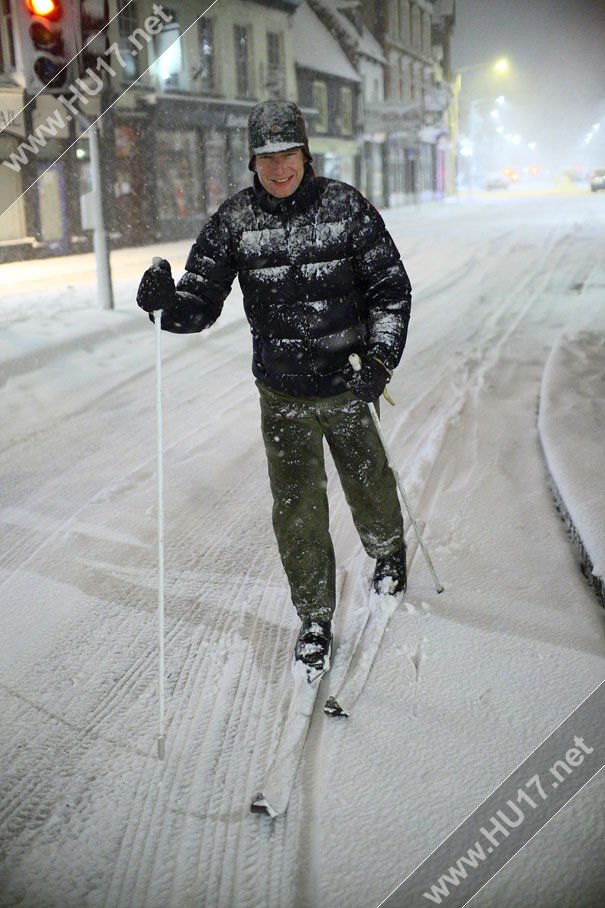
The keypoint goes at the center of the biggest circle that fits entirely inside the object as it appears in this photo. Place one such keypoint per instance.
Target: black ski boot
(314, 647)
(390, 574)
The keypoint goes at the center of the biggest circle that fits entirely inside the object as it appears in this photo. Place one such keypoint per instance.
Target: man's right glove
(157, 290)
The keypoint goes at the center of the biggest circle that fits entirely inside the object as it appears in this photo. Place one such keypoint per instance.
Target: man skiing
(321, 279)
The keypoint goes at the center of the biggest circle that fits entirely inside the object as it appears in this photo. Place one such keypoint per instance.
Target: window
(320, 101)
(276, 71)
(169, 53)
(346, 100)
(241, 39)
(178, 186)
(128, 22)
(407, 81)
(406, 28)
(394, 18)
(416, 36)
(417, 82)
(204, 75)
(7, 45)
(394, 79)
(426, 35)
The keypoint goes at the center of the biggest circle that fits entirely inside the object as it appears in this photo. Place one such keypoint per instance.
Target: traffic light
(48, 42)
(94, 17)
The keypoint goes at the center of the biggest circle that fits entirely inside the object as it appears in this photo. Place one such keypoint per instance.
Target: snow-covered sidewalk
(572, 431)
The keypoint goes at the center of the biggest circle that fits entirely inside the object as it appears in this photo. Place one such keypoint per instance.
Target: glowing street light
(499, 67)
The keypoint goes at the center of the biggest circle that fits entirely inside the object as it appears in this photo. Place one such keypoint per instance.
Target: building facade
(373, 80)
(412, 115)
(180, 137)
(329, 87)
(343, 20)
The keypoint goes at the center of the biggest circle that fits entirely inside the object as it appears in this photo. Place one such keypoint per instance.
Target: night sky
(556, 85)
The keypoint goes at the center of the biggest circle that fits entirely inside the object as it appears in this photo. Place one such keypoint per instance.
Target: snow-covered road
(466, 684)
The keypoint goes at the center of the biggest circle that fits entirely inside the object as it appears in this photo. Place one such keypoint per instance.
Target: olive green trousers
(293, 432)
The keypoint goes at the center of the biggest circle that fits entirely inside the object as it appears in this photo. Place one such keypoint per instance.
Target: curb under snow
(571, 430)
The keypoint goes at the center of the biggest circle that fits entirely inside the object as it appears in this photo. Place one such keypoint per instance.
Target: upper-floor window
(276, 69)
(320, 101)
(405, 22)
(241, 40)
(7, 44)
(205, 73)
(346, 101)
(394, 18)
(416, 35)
(426, 35)
(394, 83)
(128, 22)
(169, 53)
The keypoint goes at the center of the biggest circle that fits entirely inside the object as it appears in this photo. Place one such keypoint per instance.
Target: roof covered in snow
(317, 49)
(365, 43)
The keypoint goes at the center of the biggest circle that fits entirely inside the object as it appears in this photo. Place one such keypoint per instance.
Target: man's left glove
(157, 290)
(370, 381)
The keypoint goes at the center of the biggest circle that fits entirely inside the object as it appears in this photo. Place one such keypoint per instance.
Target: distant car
(497, 181)
(597, 180)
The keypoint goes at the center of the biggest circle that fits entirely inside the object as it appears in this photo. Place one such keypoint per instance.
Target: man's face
(281, 173)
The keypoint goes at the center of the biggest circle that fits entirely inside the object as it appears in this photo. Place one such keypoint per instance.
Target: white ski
(380, 609)
(273, 795)
(369, 637)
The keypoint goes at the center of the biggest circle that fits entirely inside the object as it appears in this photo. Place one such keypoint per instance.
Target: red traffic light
(46, 9)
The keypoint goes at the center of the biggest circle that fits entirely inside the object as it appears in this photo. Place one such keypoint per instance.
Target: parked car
(597, 180)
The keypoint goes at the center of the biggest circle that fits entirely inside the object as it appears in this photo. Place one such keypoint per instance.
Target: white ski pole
(356, 364)
(160, 436)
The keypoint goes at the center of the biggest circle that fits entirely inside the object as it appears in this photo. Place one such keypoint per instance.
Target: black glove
(157, 290)
(370, 381)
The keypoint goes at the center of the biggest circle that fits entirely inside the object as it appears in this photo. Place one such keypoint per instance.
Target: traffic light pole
(99, 236)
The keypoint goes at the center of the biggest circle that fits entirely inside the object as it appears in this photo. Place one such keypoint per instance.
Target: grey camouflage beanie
(276, 126)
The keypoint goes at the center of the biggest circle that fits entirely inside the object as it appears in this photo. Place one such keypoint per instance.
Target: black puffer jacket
(320, 276)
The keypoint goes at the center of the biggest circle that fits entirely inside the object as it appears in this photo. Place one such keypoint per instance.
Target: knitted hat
(276, 126)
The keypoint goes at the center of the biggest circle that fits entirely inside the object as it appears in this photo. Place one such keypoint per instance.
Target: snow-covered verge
(571, 424)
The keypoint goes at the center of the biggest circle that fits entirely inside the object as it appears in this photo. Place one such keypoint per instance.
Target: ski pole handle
(355, 362)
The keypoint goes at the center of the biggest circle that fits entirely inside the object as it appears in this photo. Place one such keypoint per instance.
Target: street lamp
(500, 67)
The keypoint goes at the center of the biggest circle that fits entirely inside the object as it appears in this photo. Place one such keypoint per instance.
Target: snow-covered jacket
(320, 275)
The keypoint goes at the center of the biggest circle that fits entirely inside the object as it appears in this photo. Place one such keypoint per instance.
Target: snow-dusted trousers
(293, 431)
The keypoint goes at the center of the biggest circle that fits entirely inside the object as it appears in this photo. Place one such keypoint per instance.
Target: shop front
(200, 159)
(393, 127)
(338, 159)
